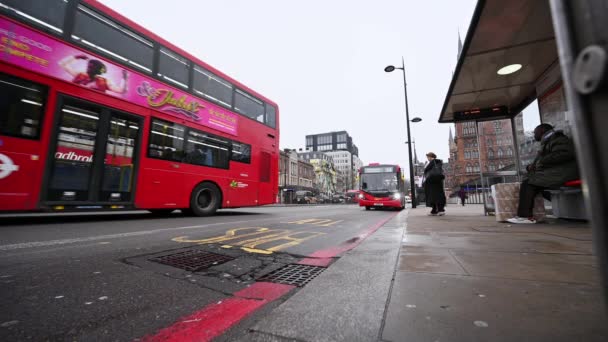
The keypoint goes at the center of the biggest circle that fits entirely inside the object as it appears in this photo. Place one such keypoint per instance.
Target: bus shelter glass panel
(496, 161)
(528, 147)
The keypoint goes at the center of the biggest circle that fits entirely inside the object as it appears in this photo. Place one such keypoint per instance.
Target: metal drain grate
(293, 274)
(192, 260)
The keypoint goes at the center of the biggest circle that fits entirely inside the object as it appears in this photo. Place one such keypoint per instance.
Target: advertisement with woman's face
(37, 52)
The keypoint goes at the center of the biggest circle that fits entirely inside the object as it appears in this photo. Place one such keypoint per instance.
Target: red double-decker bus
(382, 186)
(96, 112)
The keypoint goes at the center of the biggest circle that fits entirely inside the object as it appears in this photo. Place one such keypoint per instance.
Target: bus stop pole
(409, 139)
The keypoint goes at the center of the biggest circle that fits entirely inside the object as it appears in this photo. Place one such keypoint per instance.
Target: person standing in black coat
(433, 185)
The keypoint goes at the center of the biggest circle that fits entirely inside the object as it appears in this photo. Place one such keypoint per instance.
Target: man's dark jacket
(555, 162)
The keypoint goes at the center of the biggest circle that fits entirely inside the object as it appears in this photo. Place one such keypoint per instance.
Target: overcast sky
(323, 61)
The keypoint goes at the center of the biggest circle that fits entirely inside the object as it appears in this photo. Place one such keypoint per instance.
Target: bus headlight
(397, 196)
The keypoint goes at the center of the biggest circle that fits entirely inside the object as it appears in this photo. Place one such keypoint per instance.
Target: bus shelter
(508, 61)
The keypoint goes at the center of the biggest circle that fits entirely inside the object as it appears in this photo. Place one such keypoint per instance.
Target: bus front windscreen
(379, 182)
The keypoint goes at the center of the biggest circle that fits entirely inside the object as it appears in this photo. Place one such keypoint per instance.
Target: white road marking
(34, 244)
(104, 237)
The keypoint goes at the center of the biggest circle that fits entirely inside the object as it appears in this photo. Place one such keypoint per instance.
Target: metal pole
(577, 25)
(409, 139)
(516, 147)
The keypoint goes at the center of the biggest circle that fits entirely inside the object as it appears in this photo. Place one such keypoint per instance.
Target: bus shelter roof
(501, 33)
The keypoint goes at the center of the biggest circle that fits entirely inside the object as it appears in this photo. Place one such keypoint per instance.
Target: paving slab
(531, 266)
(435, 307)
(523, 242)
(429, 260)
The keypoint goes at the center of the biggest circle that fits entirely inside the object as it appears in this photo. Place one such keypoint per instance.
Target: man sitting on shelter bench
(554, 165)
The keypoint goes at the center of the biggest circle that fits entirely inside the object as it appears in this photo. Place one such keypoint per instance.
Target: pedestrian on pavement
(433, 185)
(554, 165)
(463, 195)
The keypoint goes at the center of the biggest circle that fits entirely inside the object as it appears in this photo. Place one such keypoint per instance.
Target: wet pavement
(466, 277)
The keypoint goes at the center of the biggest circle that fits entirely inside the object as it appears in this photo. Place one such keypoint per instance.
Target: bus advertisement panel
(33, 51)
(381, 186)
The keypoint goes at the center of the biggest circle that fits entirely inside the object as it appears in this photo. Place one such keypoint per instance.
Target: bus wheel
(205, 199)
(161, 212)
(367, 208)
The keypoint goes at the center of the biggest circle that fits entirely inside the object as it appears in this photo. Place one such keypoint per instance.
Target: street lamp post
(391, 68)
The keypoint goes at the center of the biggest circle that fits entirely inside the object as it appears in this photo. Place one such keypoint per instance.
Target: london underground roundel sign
(6, 166)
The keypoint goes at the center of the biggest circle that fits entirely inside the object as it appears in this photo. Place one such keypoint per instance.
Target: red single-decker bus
(382, 186)
(97, 113)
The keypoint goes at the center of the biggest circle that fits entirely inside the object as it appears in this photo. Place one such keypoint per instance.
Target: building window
(308, 141)
(509, 152)
(490, 153)
(500, 153)
(497, 126)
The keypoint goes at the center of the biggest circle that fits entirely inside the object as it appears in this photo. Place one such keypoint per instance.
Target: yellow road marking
(317, 222)
(331, 224)
(255, 236)
(258, 251)
(231, 234)
(311, 221)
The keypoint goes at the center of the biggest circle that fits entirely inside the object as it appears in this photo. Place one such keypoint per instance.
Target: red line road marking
(214, 319)
(345, 246)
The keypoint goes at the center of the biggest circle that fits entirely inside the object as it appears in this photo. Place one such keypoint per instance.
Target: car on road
(305, 197)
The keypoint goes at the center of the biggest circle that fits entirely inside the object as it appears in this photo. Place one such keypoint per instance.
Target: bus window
(48, 13)
(104, 35)
(21, 107)
(212, 87)
(271, 116)
(173, 68)
(73, 162)
(241, 152)
(206, 150)
(249, 106)
(166, 141)
(118, 172)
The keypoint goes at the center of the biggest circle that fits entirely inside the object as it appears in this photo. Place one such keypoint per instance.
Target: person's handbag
(436, 173)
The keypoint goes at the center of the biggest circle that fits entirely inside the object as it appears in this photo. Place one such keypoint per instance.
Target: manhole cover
(192, 260)
(293, 274)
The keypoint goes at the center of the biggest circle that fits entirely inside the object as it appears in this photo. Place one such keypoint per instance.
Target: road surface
(105, 277)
